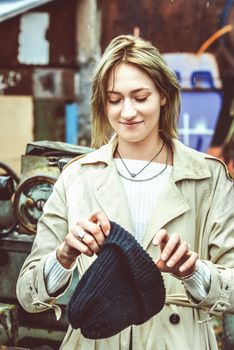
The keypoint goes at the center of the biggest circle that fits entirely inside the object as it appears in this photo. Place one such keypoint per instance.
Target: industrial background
(48, 51)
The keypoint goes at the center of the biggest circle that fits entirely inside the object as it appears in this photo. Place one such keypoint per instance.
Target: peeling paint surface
(33, 45)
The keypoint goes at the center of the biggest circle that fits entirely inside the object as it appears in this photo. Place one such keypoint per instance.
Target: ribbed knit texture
(198, 284)
(56, 276)
(59, 276)
(142, 196)
(122, 287)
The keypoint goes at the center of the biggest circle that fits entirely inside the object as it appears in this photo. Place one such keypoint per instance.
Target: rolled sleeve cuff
(56, 276)
(221, 284)
(41, 300)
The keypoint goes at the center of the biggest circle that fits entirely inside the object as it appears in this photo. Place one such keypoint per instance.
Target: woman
(175, 201)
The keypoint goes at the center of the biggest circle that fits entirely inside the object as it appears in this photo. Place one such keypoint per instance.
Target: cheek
(113, 123)
(112, 110)
(152, 111)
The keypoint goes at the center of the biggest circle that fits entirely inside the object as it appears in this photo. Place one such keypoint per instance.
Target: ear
(163, 100)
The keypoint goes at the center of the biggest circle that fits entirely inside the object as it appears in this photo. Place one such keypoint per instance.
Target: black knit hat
(122, 287)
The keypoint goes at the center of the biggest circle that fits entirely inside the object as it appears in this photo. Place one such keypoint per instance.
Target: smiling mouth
(131, 123)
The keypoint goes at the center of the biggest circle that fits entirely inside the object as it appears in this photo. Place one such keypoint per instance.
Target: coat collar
(102, 155)
(187, 163)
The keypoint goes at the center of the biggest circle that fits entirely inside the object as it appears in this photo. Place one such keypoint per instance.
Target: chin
(132, 140)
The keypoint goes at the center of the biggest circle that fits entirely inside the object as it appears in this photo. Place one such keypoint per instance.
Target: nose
(128, 110)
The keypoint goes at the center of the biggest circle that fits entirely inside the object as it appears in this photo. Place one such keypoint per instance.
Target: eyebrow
(133, 91)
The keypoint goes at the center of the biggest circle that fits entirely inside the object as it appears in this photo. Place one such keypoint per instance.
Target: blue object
(198, 117)
(71, 123)
(178, 75)
(202, 79)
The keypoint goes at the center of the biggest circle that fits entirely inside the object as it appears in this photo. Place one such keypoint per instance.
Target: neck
(140, 151)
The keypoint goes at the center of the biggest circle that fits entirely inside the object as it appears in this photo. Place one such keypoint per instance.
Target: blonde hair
(127, 48)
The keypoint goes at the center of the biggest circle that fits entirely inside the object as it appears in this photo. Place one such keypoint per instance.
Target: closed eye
(141, 99)
(114, 101)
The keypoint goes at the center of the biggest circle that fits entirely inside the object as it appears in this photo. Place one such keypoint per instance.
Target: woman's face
(133, 104)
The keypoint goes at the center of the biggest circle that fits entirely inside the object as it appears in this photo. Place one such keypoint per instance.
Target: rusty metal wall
(171, 25)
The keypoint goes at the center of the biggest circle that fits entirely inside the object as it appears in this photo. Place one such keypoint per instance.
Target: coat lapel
(170, 205)
(107, 186)
(187, 164)
(111, 197)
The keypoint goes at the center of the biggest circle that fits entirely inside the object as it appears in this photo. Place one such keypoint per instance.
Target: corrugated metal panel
(9, 9)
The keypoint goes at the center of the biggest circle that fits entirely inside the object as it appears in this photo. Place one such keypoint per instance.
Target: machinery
(21, 204)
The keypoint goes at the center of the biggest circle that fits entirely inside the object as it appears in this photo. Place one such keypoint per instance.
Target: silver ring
(79, 234)
(188, 249)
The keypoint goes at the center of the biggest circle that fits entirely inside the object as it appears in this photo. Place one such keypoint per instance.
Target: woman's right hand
(85, 237)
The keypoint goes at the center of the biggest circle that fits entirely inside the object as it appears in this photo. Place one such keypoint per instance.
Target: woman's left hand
(176, 256)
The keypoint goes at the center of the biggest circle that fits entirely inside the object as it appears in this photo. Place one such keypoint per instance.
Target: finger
(66, 252)
(161, 236)
(178, 254)
(86, 237)
(99, 217)
(91, 242)
(170, 247)
(92, 229)
(161, 265)
(190, 262)
(73, 245)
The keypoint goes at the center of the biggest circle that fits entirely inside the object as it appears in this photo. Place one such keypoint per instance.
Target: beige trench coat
(197, 203)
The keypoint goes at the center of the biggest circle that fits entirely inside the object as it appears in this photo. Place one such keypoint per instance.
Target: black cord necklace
(133, 175)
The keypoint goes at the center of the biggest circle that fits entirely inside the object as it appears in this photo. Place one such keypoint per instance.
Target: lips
(131, 123)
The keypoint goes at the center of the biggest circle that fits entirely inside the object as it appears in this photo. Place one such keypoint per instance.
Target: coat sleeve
(51, 231)
(219, 240)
